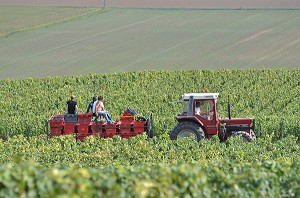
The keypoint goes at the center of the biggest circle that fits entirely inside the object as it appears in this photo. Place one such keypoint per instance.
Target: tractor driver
(197, 108)
(72, 107)
(204, 115)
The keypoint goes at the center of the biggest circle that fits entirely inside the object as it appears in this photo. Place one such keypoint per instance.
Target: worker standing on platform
(72, 107)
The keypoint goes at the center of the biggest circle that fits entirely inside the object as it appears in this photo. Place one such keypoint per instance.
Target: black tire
(187, 129)
(246, 136)
(151, 133)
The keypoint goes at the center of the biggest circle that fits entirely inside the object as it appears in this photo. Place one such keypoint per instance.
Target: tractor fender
(191, 119)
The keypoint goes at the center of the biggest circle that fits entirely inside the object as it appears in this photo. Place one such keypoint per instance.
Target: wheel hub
(186, 133)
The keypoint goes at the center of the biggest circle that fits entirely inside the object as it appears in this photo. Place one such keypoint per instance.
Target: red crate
(127, 119)
(111, 129)
(56, 131)
(96, 129)
(70, 128)
(126, 128)
(56, 123)
(83, 128)
(85, 117)
(138, 127)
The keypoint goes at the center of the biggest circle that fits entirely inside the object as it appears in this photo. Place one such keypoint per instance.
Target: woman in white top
(100, 110)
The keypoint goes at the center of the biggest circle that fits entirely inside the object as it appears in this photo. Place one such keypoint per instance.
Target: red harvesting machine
(83, 125)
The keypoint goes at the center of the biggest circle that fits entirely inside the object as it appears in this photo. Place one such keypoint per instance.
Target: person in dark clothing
(90, 106)
(72, 107)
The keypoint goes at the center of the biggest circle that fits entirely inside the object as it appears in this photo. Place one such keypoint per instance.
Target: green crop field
(146, 59)
(156, 168)
(35, 166)
(137, 39)
(269, 96)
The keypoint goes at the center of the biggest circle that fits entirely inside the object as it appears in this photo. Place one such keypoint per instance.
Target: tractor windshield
(185, 107)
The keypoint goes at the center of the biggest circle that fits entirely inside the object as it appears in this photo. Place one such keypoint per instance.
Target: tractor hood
(238, 123)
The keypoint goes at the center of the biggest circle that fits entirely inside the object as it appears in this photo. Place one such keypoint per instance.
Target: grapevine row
(270, 96)
(267, 179)
(95, 152)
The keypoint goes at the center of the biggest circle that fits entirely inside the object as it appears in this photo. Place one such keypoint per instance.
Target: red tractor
(83, 125)
(199, 118)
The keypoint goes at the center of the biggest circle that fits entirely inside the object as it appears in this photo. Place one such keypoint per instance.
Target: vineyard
(36, 166)
(269, 96)
(268, 179)
(116, 151)
(157, 168)
(131, 36)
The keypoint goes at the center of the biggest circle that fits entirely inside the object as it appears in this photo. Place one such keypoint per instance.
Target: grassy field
(138, 39)
(19, 18)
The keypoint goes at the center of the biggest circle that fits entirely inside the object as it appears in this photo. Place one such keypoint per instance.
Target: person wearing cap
(72, 107)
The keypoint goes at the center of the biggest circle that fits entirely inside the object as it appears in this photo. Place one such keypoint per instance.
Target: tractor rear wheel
(187, 129)
(246, 136)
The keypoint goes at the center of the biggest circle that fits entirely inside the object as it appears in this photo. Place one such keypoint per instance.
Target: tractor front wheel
(187, 129)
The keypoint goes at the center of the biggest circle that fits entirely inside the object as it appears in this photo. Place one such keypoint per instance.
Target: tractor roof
(186, 96)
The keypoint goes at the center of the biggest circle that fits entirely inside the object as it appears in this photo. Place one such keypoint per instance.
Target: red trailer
(84, 124)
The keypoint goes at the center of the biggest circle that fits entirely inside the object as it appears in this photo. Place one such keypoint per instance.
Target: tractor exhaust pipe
(229, 108)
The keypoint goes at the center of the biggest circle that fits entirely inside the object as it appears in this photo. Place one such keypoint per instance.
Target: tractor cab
(200, 108)
(199, 118)
(200, 104)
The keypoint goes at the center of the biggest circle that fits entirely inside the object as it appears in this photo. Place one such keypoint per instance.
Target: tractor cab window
(185, 106)
(204, 108)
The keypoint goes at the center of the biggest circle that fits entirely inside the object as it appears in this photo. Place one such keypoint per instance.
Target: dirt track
(163, 3)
